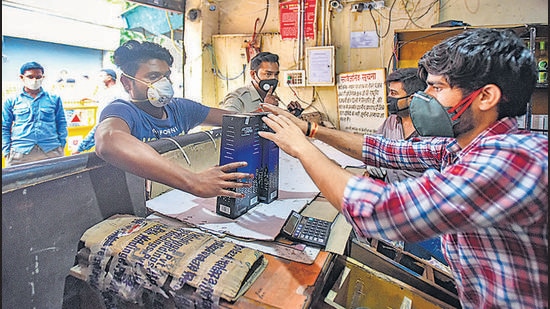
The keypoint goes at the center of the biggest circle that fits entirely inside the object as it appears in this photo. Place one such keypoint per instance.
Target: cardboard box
(268, 176)
(240, 142)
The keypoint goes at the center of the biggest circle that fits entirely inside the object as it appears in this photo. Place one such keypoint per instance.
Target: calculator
(308, 230)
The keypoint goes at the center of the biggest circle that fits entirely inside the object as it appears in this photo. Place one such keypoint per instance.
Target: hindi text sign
(362, 100)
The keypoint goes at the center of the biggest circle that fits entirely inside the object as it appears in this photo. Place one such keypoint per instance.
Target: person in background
(402, 84)
(264, 74)
(108, 92)
(485, 182)
(33, 121)
(153, 113)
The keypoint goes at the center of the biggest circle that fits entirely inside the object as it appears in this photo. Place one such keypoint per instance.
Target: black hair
(410, 79)
(482, 56)
(129, 55)
(263, 57)
(31, 66)
(110, 72)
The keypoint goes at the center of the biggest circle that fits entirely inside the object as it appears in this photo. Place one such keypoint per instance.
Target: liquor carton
(240, 142)
(268, 176)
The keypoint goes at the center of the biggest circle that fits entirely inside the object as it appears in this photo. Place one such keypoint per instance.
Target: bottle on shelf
(542, 62)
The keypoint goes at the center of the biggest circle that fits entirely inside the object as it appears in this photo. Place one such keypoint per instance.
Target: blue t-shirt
(183, 115)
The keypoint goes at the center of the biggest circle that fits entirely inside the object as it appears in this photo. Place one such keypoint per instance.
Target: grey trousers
(36, 154)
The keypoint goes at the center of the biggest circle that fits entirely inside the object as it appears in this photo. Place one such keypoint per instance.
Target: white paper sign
(361, 101)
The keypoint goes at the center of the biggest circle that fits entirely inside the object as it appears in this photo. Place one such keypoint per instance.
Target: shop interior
(50, 206)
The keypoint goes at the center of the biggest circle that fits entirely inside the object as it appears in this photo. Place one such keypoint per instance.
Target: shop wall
(77, 61)
(494, 12)
(225, 46)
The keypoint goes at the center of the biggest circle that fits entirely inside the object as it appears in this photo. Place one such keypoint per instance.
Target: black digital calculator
(308, 230)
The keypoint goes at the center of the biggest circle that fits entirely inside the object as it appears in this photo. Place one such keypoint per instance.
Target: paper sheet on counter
(263, 222)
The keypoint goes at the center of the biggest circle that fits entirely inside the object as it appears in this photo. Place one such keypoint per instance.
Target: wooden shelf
(413, 43)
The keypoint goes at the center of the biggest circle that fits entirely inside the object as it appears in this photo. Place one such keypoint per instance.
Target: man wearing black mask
(401, 84)
(264, 74)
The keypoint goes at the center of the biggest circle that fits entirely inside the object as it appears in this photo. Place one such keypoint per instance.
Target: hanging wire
(265, 17)
(310, 105)
(178, 49)
(381, 36)
(215, 68)
(414, 19)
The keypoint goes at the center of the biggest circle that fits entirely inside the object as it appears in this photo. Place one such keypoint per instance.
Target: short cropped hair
(410, 79)
(109, 72)
(30, 66)
(131, 54)
(478, 57)
(263, 57)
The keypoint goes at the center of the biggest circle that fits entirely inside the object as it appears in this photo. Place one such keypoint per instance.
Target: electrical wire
(215, 68)
(396, 47)
(399, 46)
(176, 47)
(389, 21)
(410, 18)
(310, 105)
(413, 20)
(265, 17)
(297, 97)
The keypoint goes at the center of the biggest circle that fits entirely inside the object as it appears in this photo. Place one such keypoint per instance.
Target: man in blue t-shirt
(152, 113)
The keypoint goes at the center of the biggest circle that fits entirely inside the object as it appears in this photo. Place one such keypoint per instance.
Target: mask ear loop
(133, 78)
(408, 106)
(466, 102)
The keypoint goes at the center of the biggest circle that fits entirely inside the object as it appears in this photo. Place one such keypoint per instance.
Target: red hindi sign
(288, 17)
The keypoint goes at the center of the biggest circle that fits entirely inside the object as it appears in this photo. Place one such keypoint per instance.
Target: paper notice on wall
(362, 101)
(289, 19)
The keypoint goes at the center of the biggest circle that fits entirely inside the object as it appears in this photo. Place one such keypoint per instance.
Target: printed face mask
(430, 118)
(392, 105)
(32, 84)
(265, 84)
(159, 93)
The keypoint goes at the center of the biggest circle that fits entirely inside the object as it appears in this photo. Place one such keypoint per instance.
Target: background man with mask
(33, 121)
(264, 74)
(485, 182)
(402, 84)
(152, 113)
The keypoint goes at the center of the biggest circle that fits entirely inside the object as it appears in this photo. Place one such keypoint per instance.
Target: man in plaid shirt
(484, 186)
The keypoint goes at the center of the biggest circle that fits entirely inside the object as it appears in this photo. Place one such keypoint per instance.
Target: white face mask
(160, 92)
(32, 84)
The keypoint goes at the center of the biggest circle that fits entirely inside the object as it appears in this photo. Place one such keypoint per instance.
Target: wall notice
(289, 19)
(362, 100)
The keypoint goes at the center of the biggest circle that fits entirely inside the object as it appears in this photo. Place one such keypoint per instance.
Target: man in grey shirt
(264, 73)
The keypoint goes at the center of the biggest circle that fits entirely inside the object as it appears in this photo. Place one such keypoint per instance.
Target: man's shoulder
(120, 107)
(242, 90)
(185, 103)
